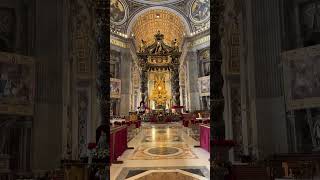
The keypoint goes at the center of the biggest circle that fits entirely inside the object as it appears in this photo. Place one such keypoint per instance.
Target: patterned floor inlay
(163, 138)
(141, 173)
(132, 173)
(165, 151)
(194, 171)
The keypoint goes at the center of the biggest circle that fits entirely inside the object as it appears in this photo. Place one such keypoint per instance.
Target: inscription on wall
(118, 43)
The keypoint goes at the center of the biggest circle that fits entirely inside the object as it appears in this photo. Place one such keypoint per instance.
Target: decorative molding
(83, 120)
(200, 41)
(83, 32)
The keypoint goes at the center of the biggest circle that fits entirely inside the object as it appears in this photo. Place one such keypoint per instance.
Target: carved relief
(204, 86)
(310, 22)
(231, 37)
(83, 31)
(236, 119)
(82, 51)
(302, 77)
(83, 116)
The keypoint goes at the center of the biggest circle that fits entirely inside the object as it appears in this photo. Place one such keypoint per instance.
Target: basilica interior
(160, 89)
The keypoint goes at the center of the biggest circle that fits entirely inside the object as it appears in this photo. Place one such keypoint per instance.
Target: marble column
(125, 76)
(192, 74)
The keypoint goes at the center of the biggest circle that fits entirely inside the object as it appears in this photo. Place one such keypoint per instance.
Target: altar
(159, 65)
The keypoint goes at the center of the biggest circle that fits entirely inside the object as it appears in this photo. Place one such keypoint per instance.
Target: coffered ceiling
(149, 23)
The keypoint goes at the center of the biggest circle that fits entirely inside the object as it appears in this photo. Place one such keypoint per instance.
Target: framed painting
(302, 77)
(115, 88)
(17, 84)
(204, 85)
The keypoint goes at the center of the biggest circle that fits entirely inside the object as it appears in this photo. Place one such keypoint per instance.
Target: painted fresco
(17, 80)
(115, 88)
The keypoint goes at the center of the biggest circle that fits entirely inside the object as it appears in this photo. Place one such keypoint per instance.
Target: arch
(182, 18)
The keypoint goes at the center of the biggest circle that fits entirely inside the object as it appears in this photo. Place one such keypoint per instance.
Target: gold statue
(142, 45)
(175, 44)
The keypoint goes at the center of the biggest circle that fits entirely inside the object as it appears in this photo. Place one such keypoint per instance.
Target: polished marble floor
(162, 151)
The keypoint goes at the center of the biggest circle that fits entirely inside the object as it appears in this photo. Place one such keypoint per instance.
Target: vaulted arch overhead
(150, 22)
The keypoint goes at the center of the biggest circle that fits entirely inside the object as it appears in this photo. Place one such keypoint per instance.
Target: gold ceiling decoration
(149, 23)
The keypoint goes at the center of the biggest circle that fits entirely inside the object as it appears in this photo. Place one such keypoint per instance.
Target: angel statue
(175, 44)
(158, 47)
(142, 45)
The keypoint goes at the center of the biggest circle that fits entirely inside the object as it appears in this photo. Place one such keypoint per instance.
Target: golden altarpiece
(159, 65)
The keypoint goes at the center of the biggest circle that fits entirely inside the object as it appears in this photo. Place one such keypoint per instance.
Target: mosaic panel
(200, 10)
(117, 11)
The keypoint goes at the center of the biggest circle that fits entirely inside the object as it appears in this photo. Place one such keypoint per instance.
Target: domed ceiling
(157, 2)
(149, 23)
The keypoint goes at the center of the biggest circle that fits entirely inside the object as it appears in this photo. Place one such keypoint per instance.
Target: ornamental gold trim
(118, 43)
